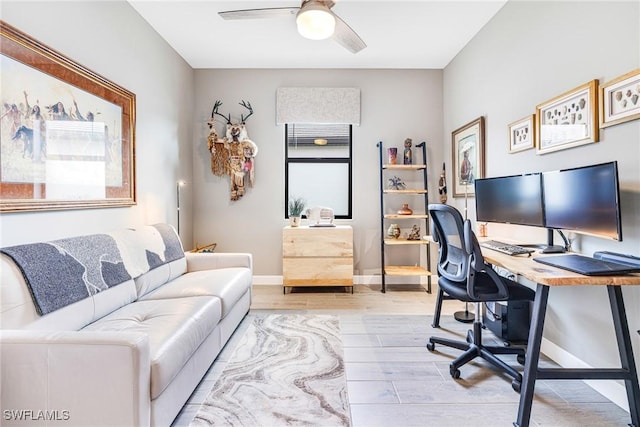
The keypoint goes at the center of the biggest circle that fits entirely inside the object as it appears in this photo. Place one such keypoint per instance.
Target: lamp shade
(315, 22)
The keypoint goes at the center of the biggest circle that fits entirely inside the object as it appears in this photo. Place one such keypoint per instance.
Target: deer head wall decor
(234, 154)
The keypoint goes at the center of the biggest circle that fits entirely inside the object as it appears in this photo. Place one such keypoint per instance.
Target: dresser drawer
(317, 271)
(320, 241)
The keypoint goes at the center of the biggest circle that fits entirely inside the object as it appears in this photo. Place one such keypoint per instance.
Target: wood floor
(399, 299)
(393, 380)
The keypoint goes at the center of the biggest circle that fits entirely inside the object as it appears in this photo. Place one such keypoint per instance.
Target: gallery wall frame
(67, 134)
(467, 147)
(568, 120)
(620, 99)
(522, 134)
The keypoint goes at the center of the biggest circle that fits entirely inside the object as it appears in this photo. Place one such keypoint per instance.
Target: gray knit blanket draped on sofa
(62, 272)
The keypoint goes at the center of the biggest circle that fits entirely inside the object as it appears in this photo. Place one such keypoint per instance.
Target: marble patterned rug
(287, 370)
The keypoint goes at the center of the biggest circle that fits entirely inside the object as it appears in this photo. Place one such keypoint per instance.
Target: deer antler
(248, 106)
(215, 112)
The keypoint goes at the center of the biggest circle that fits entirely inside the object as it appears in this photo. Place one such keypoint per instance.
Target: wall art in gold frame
(620, 99)
(568, 120)
(467, 146)
(522, 134)
(66, 134)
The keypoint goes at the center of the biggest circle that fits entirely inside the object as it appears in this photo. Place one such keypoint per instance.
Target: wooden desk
(547, 277)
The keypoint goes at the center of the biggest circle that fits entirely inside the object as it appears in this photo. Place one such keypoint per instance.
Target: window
(318, 166)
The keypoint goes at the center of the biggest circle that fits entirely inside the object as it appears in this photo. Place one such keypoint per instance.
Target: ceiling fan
(314, 18)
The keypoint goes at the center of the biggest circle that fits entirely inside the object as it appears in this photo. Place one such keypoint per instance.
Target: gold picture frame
(67, 133)
(522, 134)
(620, 99)
(467, 143)
(568, 120)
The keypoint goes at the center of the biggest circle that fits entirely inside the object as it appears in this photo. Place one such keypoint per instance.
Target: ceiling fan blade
(348, 38)
(274, 12)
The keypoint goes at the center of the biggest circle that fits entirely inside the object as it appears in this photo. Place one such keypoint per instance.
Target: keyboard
(505, 248)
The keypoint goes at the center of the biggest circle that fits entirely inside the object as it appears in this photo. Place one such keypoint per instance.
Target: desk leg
(626, 352)
(533, 356)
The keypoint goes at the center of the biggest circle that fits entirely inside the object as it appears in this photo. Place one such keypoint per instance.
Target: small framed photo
(620, 99)
(568, 120)
(522, 134)
(468, 157)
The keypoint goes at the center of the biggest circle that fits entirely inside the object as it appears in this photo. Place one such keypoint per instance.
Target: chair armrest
(212, 261)
(75, 377)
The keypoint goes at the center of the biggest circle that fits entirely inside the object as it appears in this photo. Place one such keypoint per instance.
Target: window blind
(306, 133)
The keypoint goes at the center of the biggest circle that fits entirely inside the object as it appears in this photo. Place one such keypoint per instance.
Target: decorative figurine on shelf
(442, 185)
(414, 234)
(392, 154)
(407, 152)
(393, 231)
(395, 183)
(234, 154)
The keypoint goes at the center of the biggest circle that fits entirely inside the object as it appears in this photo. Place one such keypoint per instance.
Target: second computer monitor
(584, 199)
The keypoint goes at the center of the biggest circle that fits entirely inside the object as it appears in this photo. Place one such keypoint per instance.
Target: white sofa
(128, 355)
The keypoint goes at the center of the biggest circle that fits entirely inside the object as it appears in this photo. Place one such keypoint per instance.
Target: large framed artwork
(568, 120)
(467, 144)
(66, 133)
(620, 99)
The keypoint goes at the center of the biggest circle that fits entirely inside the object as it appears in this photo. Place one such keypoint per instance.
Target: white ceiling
(399, 34)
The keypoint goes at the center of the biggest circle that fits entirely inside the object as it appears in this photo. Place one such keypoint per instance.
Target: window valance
(317, 105)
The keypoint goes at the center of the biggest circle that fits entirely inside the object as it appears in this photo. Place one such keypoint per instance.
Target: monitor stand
(550, 248)
(554, 249)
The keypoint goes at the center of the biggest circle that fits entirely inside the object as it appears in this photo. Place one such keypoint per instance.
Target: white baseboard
(267, 280)
(610, 389)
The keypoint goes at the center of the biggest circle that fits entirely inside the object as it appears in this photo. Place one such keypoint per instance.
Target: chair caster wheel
(455, 373)
(431, 346)
(515, 385)
(521, 359)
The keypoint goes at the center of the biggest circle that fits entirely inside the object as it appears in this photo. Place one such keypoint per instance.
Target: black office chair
(465, 276)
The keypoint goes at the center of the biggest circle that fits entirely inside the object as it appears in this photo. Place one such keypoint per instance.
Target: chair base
(473, 348)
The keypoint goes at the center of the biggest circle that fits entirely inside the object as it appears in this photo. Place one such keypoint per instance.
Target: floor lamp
(178, 185)
(464, 316)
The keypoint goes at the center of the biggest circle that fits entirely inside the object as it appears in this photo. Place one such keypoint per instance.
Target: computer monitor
(513, 199)
(584, 199)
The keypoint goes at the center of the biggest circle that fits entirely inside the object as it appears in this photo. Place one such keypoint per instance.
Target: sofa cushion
(159, 276)
(228, 284)
(176, 328)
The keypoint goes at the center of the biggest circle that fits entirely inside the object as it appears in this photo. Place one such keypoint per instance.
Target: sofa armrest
(77, 377)
(211, 261)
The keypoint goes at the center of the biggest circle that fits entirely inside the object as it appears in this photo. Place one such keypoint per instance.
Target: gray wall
(529, 53)
(396, 104)
(91, 33)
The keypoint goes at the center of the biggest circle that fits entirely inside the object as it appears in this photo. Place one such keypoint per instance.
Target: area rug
(287, 370)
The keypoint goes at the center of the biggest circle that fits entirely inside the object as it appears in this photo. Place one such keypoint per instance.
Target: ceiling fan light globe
(315, 23)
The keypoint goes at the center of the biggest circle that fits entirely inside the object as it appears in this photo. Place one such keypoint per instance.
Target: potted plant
(296, 206)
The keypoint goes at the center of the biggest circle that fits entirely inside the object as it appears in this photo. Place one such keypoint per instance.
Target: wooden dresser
(317, 256)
